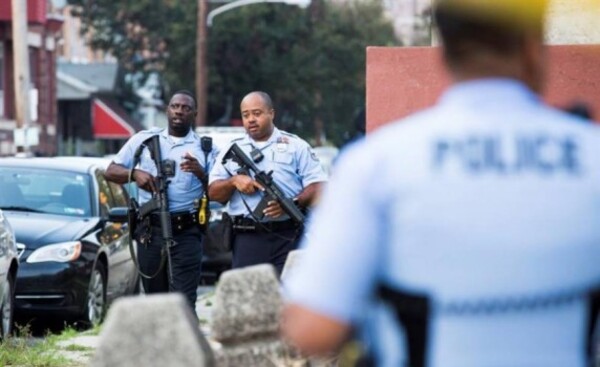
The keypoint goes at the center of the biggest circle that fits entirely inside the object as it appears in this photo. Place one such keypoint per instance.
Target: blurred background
(100, 70)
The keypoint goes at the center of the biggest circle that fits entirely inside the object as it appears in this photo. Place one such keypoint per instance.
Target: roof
(79, 81)
(72, 165)
(98, 161)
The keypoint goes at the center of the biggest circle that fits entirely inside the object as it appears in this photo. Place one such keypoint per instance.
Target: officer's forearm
(298, 327)
(221, 190)
(117, 173)
(309, 195)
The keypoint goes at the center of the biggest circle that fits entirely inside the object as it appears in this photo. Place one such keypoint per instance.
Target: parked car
(73, 259)
(9, 264)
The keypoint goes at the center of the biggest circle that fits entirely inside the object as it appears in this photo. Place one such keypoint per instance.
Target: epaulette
(289, 134)
(153, 130)
(237, 139)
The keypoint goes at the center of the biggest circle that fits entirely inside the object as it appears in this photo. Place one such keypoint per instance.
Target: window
(45, 190)
(105, 199)
(119, 194)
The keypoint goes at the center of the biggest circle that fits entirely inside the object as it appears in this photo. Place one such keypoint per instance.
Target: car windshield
(45, 191)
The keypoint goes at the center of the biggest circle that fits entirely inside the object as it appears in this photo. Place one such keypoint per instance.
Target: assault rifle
(159, 203)
(272, 190)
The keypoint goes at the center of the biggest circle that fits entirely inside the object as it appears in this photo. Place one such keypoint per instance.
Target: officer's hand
(273, 209)
(144, 180)
(191, 164)
(245, 184)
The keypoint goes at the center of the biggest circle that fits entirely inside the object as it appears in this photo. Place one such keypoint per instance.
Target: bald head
(262, 95)
(258, 115)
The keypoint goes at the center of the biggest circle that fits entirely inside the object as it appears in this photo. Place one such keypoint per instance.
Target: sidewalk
(80, 349)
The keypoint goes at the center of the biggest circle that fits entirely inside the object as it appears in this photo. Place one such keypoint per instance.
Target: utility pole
(201, 63)
(21, 69)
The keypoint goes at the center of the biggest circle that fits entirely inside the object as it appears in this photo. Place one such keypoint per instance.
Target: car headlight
(60, 252)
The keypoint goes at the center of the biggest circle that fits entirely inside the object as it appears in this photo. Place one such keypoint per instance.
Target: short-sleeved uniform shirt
(184, 187)
(291, 159)
(489, 201)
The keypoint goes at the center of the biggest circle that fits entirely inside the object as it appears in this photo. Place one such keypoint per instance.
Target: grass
(77, 348)
(24, 351)
(95, 330)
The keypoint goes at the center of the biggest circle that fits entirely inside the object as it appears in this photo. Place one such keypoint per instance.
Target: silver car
(9, 264)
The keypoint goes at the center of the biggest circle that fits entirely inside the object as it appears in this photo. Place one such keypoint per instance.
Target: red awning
(110, 121)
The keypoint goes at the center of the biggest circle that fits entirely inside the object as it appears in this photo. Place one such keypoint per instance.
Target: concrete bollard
(247, 304)
(152, 331)
(245, 319)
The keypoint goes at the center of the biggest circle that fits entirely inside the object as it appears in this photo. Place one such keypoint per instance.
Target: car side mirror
(118, 214)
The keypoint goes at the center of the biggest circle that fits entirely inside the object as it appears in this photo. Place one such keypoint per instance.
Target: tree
(311, 61)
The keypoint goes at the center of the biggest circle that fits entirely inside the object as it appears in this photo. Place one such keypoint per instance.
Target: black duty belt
(247, 225)
(413, 311)
(179, 221)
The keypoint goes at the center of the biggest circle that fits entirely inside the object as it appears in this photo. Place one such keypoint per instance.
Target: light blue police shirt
(488, 199)
(291, 159)
(184, 187)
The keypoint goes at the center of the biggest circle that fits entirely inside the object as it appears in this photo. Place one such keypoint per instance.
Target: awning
(110, 121)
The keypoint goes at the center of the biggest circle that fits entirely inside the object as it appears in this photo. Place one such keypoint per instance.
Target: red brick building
(42, 37)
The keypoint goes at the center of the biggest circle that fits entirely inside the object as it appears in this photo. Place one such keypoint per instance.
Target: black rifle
(159, 203)
(160, 200)
(272, 190)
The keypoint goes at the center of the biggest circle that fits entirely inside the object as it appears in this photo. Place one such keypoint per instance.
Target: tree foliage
(311, 61)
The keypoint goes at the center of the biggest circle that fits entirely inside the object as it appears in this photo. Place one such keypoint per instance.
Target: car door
(121, 199)
(114, 238)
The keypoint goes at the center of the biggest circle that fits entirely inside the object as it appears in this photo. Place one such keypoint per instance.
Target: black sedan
(73, 260)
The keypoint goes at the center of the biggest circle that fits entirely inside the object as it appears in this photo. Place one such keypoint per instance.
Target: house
(42, 38)
(91, 121)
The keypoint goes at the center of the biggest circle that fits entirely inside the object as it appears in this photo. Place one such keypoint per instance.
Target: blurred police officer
(180, 144)
(470, 230)
(296, 169)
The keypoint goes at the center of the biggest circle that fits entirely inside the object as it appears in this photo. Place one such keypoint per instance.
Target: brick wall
(403, 80)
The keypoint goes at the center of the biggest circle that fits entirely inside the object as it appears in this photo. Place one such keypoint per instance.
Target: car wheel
(95, 305)
(7, 308)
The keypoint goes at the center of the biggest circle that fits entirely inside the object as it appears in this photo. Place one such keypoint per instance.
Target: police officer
(268, 238)
(178, 144)
(467, 234)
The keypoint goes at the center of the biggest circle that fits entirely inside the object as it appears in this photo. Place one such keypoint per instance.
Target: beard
(180, 129)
